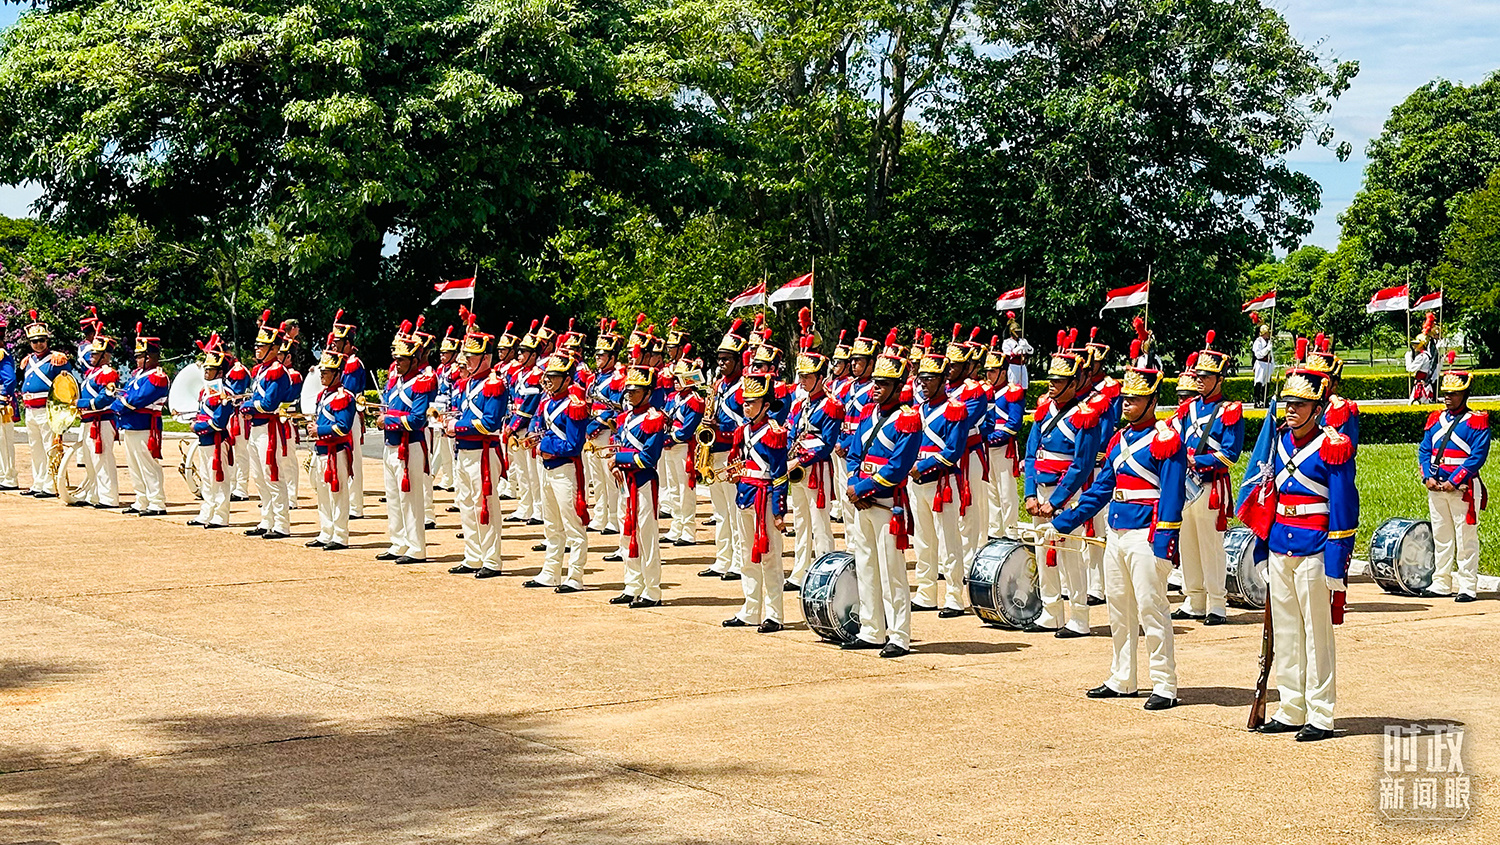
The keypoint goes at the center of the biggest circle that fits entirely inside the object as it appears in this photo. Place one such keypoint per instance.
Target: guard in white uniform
(96, 398)
(1264, 354)
(138, 409)
(332, 433)
(36, 373)
(475, 425)
(1453, 451)
(408, 392)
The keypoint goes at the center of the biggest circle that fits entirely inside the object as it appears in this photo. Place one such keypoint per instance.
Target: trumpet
(1032, 535)
(730, 474)
(514, 442)
(606, 450)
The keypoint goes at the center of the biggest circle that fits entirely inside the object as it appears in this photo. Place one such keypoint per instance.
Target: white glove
(1048, 533)
(1335, 585)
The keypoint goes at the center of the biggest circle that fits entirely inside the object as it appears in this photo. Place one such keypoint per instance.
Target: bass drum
(1402, 560)
(1244, 581)
(830, 598)
(312, 385)
(1002, 584)
(182, 397)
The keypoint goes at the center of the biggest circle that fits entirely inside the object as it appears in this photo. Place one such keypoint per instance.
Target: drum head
(1244, 581)
(830, 598)
(1018, 595)
(312, 385)
(1416, 561)
(182, 397)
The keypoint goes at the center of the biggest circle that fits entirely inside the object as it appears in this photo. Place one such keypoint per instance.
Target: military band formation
(914, 445)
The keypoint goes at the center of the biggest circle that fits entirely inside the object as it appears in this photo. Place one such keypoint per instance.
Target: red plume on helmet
(139, 327)
(1093, 333)
(1135, 349)
(406, 326)
(1072, 338)
(1429, 323)
(32, 312)
(1010, 315)
(448, 333)
(1301, 353)
(639, 318)
(534, 324)
(861, 331)
(469, 320)
(957, 329)
(509, 324)
(339, 315)
(1451, 356)
(1062, 339)
(760, 319)
(974, 333)
(916, 337)
(265, 316)
(1318, 342)
(1208, 339)
(672, 324)
(842, 333)
(545, 318)
(420, 321)
(687, 349)
(1192, 360)
(734, 327)
(1255, 317)
(1139, 324)
(892, 337)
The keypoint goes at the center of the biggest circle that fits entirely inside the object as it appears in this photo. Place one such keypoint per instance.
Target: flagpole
(474, 289)
(812, 298)
(1146, 321)
(1025, 283)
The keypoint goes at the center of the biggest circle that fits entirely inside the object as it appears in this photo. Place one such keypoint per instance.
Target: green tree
(1469, 274)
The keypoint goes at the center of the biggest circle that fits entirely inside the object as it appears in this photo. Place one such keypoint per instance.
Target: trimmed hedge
(1356, 387)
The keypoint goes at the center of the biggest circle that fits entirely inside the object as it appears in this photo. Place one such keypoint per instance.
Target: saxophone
(703, 458)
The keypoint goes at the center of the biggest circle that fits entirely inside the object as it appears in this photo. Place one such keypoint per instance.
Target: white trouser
(812, 526)
(836, 503)
(884, 595)
(524, 472)
(294, 477)
(606, 510)
(243, 464)
(681, 500)
(481, 541)
(333, 508)
(146, 476)
(435, 444)
(1135, 594)
(974, 522)
(405, 511)
(274, 514)
(38, 441)
(1302, 624)
(938, 544)
(1004, 508)
(1455, 543)
(7, 452)
(357, 478)
(101, 477)
(562, 527)
(762, 581)
(643, 572)
(1069, 574)
(1202, 558)
(215, 507)
(1094, 555)
(441, 447)
(729, 547)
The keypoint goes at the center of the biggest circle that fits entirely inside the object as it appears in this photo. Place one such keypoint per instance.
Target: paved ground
(166, 684)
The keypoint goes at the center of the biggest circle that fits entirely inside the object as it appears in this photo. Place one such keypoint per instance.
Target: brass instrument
(606, 450)
(1031, 535)
(370, 412)
(703, 455)
(730, 474)
(514, 442)
(796, 473)
(62, 414)
(188, 467)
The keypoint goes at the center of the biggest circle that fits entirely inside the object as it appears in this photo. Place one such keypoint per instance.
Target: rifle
(1267, 649)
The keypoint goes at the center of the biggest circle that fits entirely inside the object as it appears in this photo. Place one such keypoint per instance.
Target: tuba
(62, 414)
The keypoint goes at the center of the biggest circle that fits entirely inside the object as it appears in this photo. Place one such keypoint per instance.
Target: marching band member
(760, 446)
(478, 418)
(1214, 434)
(1340, 413)
(504, 368)
(728, 417)
(1310, 540)
(973, 478)
(426, 343)
(291, 434)
(407, 394)
(271, 386)
(1060, 455)
(880, 454)
(1007, 412)
(138, 409)
(237, 384)
(356, 379)
(332, 432)
(1453, 451)
(685, 411)
(38, 369)
(1141, 481)
(211, 424)
(816, 422)
(607, 395)
(560, 422)
(7, 414)
(447, 373)
(96, 399)
(1104, 392)
(525, 396)
(638, 439)
(855, 392)
(838, 381)
(934, 477)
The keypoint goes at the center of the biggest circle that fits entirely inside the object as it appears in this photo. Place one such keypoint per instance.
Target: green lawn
(1388, 486)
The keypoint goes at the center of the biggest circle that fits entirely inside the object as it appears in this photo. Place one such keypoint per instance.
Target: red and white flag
(456, 289)
(1389, 299)
(1012, 300)
(798, 288)
(1430, 302)
(755, 295)
(1261, 303)
(1128, 296)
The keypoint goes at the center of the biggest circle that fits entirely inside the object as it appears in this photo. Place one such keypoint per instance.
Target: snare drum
(830, 598)
(1244, 581)
(1402, 560)
(1003, 585)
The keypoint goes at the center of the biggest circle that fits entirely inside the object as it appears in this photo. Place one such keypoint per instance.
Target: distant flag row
(798, 289)
(1398, 298)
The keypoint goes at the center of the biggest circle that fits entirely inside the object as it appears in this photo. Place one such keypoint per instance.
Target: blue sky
(1400, 45)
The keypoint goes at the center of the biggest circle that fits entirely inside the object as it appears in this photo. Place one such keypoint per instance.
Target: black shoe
(951, 613)
(709, 573)
(28, 492)
(247, 498)
(533, 583)
(328, 547)
(613, 557)
(1428, 594)
(213, 525)
(730, 576)
(1274, 727)
(1181, 615)
(789, 587)
(387, 556)
(922, 608)
(770, 626)
(533, 522)
(1160, 702)
(83, 504)
(735, 622)
(408, 559)
(430, 525)
(1312, 734)
(104, 507)
(858, 644)
(1069, 633)
(623, 598)
(566, 588)
(608, 532)
(458, 536)
(684, 542)
(189, 522)
(253, 532)
(450, 509)
(356, 516)
(640, 603)
(274, 535)
(1215, 619)
(157, 512)
(539, 547)
(45, 495)
(311, 544)
(1105, 691)
(1095, 601)
(893, 650)
(1034, 628)
(513, 518)
(133, 512)
(462, 569)
(488, 573)
(1461, 598)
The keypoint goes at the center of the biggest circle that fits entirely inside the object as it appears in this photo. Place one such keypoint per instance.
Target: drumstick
(1036, 535)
